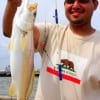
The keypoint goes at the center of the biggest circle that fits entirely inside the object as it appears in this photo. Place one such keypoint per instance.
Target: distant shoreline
(8, 74)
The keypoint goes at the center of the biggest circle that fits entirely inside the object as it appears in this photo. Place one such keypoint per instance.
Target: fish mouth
(33, 6)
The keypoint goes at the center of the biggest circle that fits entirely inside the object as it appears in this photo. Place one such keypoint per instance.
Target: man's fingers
(15, 2)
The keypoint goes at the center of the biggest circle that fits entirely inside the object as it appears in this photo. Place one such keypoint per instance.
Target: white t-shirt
(82, 81)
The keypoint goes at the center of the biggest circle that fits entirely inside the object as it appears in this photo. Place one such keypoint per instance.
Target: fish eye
(34, 14)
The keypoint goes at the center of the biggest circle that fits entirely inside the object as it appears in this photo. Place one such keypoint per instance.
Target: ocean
(5, 82)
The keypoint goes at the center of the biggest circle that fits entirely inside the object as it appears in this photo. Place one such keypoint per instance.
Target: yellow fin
(10, 45)
(23, 42)
(31, 84)
(11, 90)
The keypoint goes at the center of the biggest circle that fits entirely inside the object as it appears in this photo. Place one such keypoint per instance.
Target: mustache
(76, 10)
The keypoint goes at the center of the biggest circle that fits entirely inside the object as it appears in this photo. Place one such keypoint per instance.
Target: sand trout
(22, 51)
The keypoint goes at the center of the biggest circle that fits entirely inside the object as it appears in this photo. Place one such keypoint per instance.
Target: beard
(77, 22)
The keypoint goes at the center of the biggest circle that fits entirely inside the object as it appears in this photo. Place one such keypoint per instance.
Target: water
(5, 82)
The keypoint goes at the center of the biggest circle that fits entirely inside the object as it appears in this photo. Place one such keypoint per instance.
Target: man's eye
(69, 1)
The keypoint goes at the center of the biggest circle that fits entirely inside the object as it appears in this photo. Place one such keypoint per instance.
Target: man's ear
(64, 2)
(95, 2)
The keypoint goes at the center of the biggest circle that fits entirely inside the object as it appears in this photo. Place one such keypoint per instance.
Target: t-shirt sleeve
(44, 32)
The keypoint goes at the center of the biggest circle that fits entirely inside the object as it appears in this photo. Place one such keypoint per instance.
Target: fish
(21, 47)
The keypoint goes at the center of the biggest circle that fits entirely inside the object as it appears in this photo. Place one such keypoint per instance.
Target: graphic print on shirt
(72, 66)
(67, 64)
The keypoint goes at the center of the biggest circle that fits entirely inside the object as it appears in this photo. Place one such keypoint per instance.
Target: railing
(4, 97)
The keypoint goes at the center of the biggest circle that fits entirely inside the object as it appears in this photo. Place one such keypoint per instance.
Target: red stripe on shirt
(64, 76)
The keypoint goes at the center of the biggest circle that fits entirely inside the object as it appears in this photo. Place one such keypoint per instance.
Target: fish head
(33, 10)
(26, 15)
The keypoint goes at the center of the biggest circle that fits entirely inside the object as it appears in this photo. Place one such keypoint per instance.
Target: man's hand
(15, 3)
(10, 11)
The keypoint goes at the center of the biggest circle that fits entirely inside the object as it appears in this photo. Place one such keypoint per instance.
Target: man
(75, 45)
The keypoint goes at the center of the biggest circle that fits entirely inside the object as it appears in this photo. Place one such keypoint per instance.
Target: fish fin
(23, 42)
(31, 84)
(11, 90)
(10, 45)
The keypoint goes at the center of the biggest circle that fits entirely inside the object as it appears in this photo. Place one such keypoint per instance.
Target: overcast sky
(46, 10)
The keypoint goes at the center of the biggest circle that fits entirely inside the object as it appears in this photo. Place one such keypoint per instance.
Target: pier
(8, 74)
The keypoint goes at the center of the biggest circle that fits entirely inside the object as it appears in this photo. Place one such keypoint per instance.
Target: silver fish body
(22, 51)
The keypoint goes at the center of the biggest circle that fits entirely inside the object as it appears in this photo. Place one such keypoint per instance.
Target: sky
(46, 9)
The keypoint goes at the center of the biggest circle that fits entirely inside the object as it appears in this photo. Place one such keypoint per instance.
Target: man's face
(79, 11)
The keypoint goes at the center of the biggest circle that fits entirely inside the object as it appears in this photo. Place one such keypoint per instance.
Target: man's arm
(9, 13)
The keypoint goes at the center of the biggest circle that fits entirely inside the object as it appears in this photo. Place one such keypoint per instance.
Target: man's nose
(76, 4)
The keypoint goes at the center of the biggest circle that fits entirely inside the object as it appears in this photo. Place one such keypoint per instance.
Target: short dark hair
(93, 0)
